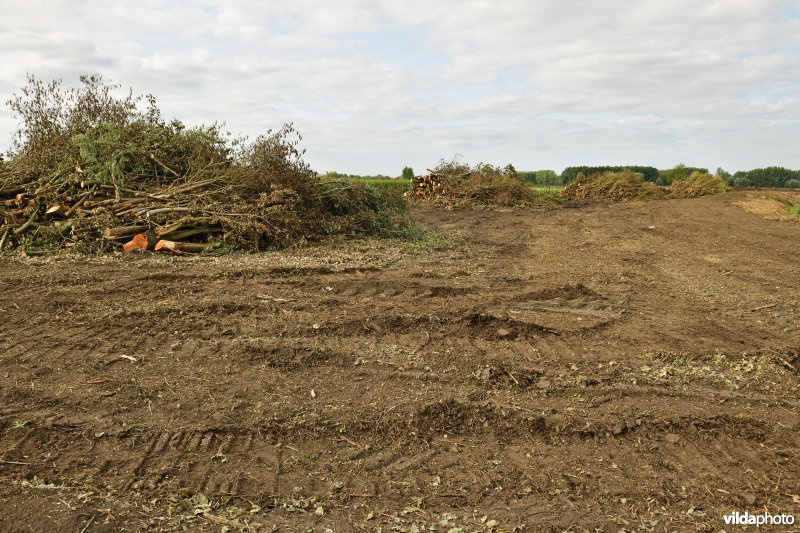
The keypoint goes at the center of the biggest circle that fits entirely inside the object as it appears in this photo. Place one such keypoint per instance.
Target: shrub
(792, 184)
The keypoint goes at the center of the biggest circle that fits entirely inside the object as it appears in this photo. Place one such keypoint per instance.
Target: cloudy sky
(374, 85)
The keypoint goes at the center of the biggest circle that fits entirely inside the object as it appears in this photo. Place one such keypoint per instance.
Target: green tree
(769, 176)
(408, 173)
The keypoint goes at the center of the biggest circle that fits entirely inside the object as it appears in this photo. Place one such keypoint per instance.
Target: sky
(376, 85)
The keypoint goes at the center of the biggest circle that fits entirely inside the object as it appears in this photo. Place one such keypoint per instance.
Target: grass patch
(794, 211)
(421, 238)
(382, 183)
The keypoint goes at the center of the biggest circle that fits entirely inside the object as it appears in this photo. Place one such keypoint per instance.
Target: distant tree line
(765, 177)
(759, 177)
(540, 177)
(332, 175)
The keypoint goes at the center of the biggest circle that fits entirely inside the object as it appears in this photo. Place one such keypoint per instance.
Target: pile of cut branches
(629, 185)
(89, 171)
(697, 184)
(456, 184)
(617, 186)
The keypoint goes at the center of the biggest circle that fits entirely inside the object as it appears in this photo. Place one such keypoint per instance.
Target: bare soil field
(600, 367)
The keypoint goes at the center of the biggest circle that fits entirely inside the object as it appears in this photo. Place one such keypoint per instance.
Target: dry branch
(77, 204)
(3, 239)
(123, 231)
(233, 524)
(165, 167)
(27, 224)
(162, 210)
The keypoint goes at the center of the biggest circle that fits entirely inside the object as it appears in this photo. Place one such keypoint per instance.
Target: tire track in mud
(416, 394)
(241, 461)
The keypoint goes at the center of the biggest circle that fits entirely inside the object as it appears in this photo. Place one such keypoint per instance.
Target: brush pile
(90, 171)
(697, 184)
(455, 184)
(616, 186)
(629, 185)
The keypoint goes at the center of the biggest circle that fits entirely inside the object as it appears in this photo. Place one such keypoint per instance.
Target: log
(139, 242)
(56, 211)
(189, 232)
(23, 228)
(127, 206)
(82, 198)
(184, 223)
(148, 212)
(11, 191)
(123, 231)
(185, 247)
(3, 239)
(131, 191)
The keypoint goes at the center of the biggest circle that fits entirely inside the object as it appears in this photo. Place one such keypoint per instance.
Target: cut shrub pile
(629, 185)
(617, 186)
(697, 184)
(89, 170)
(456, 184)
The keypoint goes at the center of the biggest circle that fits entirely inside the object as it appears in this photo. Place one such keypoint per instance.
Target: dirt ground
(599, 367)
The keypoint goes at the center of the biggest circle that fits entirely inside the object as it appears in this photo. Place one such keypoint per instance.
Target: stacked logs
(427, 186)
(90, 216)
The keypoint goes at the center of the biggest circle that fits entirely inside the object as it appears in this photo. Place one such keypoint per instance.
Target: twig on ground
(759, 308)
(89, 523)
(233, 524)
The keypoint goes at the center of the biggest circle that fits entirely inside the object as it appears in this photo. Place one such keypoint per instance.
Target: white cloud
(374, 86)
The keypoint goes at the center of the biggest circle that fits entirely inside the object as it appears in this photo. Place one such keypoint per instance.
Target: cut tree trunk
(123, 232)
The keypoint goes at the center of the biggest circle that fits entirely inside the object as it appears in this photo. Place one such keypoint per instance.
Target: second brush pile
(455, 184)
(628, 185)
(89, 171)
